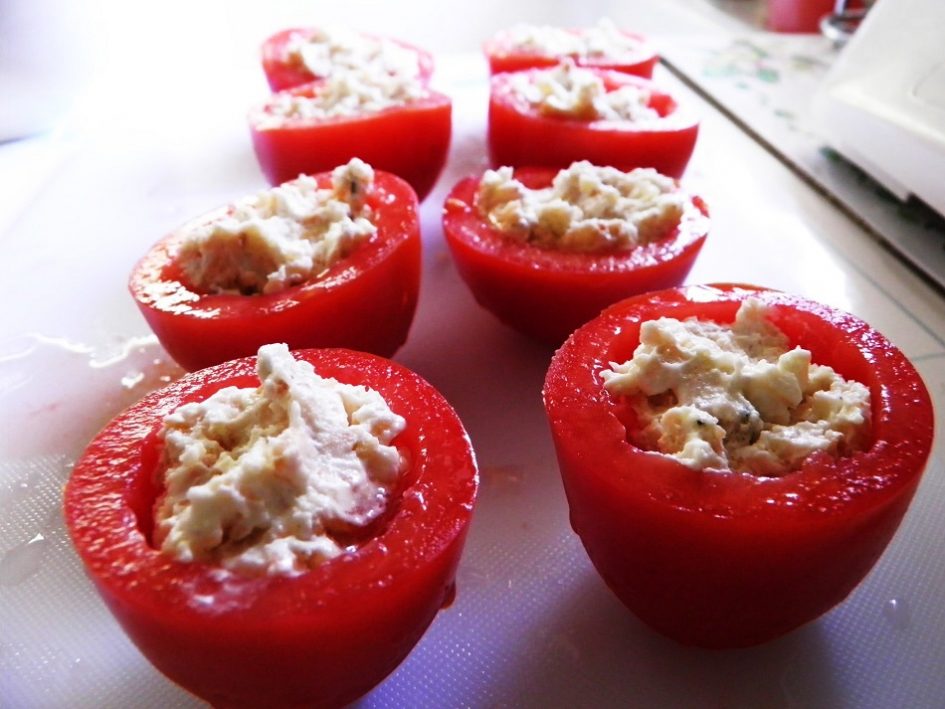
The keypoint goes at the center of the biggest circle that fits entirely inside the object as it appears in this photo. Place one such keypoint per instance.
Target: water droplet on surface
(564, 646)
(23, 561)
(14, 493)
(54, 520)
(896, 612)
(25, 481)
(503, 478)
(132, 379)
(415, 501)
(789, 686)
(81, 388)
(471, 578)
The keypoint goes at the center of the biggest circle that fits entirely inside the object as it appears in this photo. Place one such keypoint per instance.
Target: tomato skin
(365, 301)
(283, 73)
(319, 639)
(547, 294)
(519, 135)
(503, 58)
(727, 559)
(411, 141)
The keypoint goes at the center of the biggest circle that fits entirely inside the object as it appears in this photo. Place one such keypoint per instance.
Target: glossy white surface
(532, 623)
(889, 117)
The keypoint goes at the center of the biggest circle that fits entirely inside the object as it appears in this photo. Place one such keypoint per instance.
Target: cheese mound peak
(602, 41)
(737, 397)
(267, 480)
(346, 94)
(281, 237)
(586, 208)
(358, 75)
(568, 91)
(329, 51)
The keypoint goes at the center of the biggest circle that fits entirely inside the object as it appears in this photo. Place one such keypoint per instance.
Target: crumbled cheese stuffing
(568, 91)
(342, 95)
(736, 397)
(587, 208)
(262, 481)
(282, 236)
(359, 75)
(603, 40)
(328, 51)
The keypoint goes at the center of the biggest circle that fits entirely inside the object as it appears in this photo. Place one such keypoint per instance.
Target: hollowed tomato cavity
(663, 104)
(847, 356)
(148, 487)
(353, 536)
(801, 330)
(174, 271)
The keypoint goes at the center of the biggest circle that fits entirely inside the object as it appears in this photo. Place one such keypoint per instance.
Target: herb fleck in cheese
(602, 41)
(282, 236)
(737, 397)
(587, 208)
(328, 51)
(568, 91)
(265, 480)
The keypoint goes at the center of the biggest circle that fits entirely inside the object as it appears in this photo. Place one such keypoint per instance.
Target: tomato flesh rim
(262, 121)
(464, 222)
(277, 63)
(157, 283)
(822, 486)
(674, 117)
(500, 48)
(434, 509)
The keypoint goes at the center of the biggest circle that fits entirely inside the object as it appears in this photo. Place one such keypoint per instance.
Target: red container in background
(797, 15)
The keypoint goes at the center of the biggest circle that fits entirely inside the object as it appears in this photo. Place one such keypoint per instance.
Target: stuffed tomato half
(301, 55)
(727, 502)
(299, 559)
(331, 260)
(397, 124)
(602, 46)
(546, 250)
(554, 116)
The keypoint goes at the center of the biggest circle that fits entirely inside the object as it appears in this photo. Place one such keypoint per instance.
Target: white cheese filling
(262, 481)
(736, 397)
(587, 208)
(328, 51)
(344, 94)
(568, 91)
(282, 236)
(602, 41)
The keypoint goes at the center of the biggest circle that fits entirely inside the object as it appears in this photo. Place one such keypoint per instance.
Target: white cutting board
(532, 624)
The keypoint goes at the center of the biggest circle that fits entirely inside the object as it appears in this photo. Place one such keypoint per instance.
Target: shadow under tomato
(492, 375)
(593, 652)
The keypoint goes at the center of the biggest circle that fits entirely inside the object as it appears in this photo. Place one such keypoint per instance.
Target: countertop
(158, 135)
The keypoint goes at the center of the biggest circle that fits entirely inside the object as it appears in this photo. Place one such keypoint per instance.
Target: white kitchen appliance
(882, 106)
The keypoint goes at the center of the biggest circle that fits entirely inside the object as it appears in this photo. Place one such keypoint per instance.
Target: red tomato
(520, 135)
(323, 638)
(365, 301)
(503, 56)
(545, 293)
(283, 71)
(410, 141)
(724, 559)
